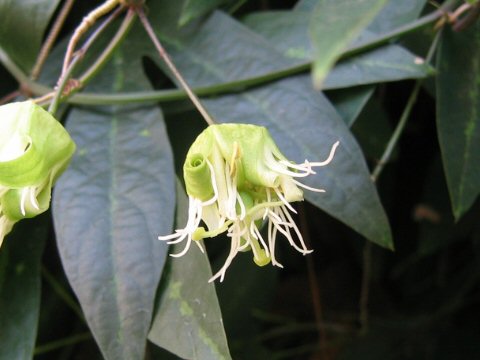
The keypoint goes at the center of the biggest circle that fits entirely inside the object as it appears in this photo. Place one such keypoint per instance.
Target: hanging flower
(34, 151)
(236, 180)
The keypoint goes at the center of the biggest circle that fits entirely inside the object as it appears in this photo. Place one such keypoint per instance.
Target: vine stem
(367, 250)
(227, 87)
(163, 54)
(86, 23)
(98, 64)
(57, 344)
(52, 36)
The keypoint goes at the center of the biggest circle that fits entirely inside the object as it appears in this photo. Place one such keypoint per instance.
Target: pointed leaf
(287, 31)
(20, 258)
(22, 27)
(333, 26)
(111, 204)
(458, 108)
(190, 302)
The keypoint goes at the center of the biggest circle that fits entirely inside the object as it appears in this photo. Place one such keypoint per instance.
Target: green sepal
(34, 150)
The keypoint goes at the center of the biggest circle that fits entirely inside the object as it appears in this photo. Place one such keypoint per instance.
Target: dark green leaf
(349, 102)
(22, 26)
(20, 258)
(395, 14)
(110, 205)
(190, 302)
(333, 26)
(458, 109)
(193, 9)
(287, 31)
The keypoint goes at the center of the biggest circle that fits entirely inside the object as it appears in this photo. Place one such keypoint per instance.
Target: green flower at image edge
(237, 180)
(34, 150)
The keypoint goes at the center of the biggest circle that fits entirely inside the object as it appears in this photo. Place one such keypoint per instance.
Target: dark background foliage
(423, 298)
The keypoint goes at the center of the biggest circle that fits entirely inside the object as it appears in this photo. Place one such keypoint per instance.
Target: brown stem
(52, 36)
(163, 54)
(84, 26)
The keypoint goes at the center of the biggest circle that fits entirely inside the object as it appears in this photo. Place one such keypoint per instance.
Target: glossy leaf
(190, 303)
(333, 26)
(22, 27)
(20, 258)
(302, 121)
(111, 204)
(458, 120)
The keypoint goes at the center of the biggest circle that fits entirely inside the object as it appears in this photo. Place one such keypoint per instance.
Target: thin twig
(9, 97)
(108, 51)
(93, 69)
(52, 36)
(57, 344)
(367, 250)
(163, 54)
(216, 89)
(86, 23)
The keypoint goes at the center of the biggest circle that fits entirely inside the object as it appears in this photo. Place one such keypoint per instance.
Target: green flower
(236, 180)
(34, 151)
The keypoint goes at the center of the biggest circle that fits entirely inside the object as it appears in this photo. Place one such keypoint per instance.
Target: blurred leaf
(302, 121)
(193, 9)
(395, 14)
(350, 102)
(333, 26)
(110, 205)
(458, 108)
(20, 258)
(22, 27)
(190, 302)
(287, 31)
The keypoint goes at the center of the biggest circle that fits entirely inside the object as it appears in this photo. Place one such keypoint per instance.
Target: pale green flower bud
(34, 151)
(237, 179)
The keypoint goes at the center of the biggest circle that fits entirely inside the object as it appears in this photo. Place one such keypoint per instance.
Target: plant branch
(227, 87)
(52, 36)
(54, 345)
(163, 54)
(98, 64)
(86, 23)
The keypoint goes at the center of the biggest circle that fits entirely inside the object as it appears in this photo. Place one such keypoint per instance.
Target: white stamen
(330, 157)
(256, 234)
(23, 200)
(308, 187)
(287, 204)
(214, 185)
(272, 234)
(33, 199)
(242, 206)
(297, 231)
